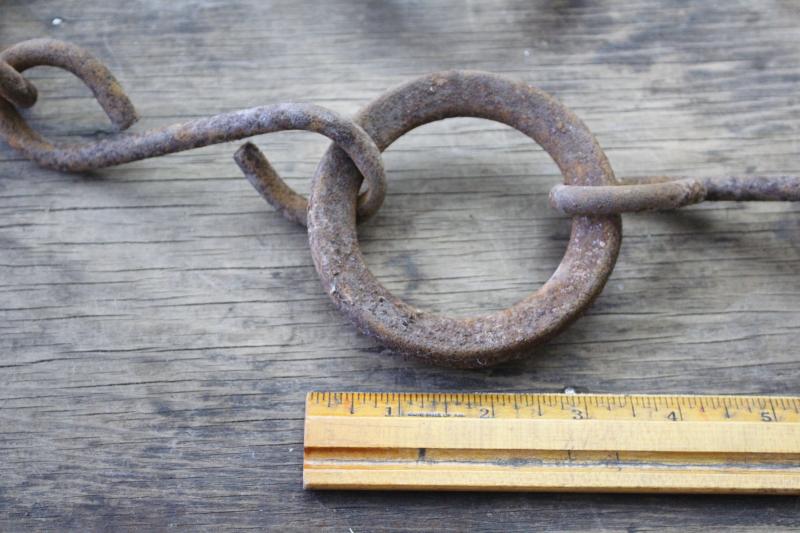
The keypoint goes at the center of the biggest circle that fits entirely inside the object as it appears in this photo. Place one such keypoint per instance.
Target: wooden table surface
(161, 324)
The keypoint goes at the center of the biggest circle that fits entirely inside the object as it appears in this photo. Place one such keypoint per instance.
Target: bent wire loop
(591, 193)
(179, 137)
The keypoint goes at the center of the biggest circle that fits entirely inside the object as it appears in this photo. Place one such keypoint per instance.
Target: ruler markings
(712, 409)
(583, 442)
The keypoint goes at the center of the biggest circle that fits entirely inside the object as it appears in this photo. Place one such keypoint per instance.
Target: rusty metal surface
(583, 200)
(496, 337)
(264, 179)
(753, 188)
(590, 193)
(15, 88)
(74, 59)
(661, 193)
(224, 127)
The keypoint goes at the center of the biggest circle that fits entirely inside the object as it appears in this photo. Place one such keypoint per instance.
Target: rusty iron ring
(179, 137)
(484, 340)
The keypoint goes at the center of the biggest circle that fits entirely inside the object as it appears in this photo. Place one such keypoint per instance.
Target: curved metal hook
(264, 179)
(178, 137)
(15, 88)
(105, 87)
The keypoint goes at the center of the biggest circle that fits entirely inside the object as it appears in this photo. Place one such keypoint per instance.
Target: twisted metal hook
(224, 127)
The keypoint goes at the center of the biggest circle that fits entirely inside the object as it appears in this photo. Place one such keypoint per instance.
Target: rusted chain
(489, 339)
(224, 127)
(590, 193)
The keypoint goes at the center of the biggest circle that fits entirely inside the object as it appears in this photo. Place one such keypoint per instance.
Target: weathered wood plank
(160, 325)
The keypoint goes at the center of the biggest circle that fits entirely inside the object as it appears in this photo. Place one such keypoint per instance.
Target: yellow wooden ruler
(552, 442)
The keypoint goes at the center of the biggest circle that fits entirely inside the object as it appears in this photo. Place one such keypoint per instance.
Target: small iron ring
(483, 340)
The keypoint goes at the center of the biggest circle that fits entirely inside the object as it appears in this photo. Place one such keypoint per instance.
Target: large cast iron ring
(484, 340)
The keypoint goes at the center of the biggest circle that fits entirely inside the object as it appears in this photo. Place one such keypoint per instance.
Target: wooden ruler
(552, 442)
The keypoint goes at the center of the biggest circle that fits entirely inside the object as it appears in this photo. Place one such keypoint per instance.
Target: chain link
(590, 193)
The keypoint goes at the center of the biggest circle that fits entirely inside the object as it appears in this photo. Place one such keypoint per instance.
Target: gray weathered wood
(161, 325)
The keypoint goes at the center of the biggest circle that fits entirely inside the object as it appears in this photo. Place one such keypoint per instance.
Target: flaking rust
(477, 341)
(590, 193)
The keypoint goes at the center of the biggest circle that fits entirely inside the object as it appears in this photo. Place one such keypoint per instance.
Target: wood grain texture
(160, 325)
